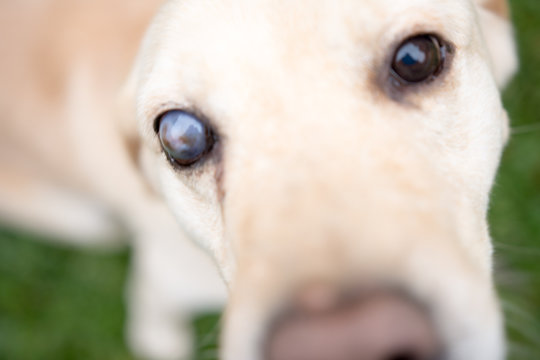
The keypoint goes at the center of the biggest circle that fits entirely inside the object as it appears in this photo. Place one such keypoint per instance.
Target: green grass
(515, 212)
(60, 304)
(63, 304)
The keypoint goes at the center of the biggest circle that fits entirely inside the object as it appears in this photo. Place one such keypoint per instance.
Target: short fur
(322, 174)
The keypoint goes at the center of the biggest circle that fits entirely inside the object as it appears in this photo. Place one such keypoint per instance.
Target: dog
(333, 157)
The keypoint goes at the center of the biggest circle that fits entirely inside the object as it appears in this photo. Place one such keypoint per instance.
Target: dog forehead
(209, 36)
(198, 46)
(243, 18)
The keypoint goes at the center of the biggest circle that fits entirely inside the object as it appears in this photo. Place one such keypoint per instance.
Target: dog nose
(374, 326)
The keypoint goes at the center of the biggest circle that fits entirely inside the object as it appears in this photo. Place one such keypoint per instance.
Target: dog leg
(170, 280)
(39, 205)
(156, 328)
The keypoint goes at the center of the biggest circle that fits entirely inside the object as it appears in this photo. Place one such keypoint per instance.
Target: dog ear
(498, 7)
(127, 119)
(498, 32)
(129, 130)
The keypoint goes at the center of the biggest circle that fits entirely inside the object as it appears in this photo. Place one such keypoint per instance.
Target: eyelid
(441, 48)
(210, 154)
(390, 87)
(190, 110)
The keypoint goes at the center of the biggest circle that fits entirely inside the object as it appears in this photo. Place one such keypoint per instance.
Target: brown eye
(418, 59)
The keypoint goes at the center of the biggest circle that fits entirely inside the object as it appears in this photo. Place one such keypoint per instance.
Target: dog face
(318, 148)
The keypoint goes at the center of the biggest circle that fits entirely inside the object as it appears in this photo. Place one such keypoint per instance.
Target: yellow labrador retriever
(334, 157)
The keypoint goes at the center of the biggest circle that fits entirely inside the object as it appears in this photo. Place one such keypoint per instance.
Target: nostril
(378, 326)
(412, 355)
(404, 355)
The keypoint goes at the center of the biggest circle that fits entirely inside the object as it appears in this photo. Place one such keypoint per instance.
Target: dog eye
(184, 137)
(418, 59)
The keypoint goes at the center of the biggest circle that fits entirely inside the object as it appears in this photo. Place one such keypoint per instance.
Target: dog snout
(321, 325)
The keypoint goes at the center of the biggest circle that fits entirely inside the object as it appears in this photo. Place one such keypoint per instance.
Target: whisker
(516, 310)
(520, 351)
(521, 337)
(529, 335)
(522, 250)
(510, 279)
(210, 354)
(521, 322)
(210, 336)
(525, 129)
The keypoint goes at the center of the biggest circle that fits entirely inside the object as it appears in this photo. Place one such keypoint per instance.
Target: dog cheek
(219, 175)
(148, 162)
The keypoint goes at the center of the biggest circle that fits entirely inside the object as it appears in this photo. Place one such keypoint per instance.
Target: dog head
(334, 156)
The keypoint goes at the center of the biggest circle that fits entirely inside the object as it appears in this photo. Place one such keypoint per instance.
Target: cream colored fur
(326, 178)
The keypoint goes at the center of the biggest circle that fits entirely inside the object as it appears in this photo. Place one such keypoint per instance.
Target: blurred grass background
(60, 303)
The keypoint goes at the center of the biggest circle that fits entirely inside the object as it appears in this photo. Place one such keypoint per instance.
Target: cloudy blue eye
(184, 137)
(418, 59)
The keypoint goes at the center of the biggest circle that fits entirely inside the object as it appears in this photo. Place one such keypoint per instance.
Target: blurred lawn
(62, 304)
(515, 212)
